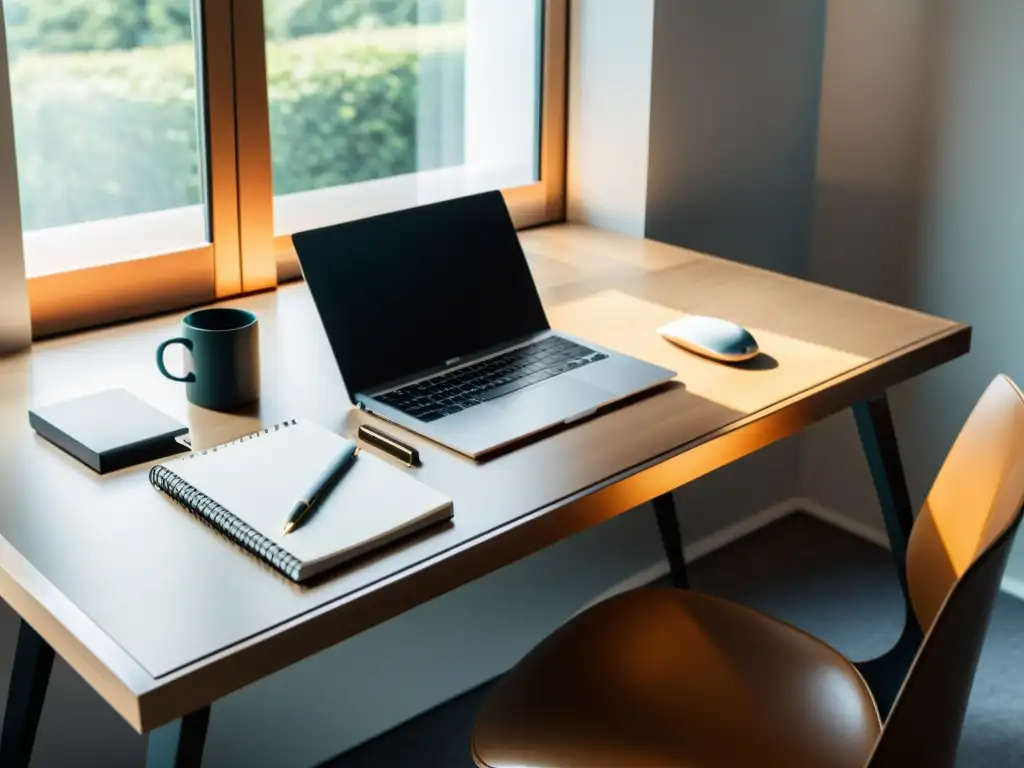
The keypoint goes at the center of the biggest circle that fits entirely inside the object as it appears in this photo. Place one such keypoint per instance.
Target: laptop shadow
(536, 437)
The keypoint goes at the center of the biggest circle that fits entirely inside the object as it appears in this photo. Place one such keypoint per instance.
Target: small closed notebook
(109, 430)
(245, 489)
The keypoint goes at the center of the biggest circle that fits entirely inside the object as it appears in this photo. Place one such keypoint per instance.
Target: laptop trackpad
(552, 402)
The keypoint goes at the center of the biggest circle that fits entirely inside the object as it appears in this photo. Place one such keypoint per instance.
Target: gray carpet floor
(828, 582)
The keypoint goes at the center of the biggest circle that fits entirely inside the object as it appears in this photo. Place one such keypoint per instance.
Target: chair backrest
(976, 496)
(955, 562)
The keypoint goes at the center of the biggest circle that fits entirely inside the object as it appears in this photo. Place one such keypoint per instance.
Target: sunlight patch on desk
(628, 325)
(584, 248)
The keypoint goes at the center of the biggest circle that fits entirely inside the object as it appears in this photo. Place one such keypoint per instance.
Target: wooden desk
(162, 616)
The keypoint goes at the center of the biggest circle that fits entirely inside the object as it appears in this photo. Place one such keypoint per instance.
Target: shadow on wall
(736, 87)
(886, 94)
(876, 174)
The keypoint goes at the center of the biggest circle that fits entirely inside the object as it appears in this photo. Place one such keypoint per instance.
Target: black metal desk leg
(671, 540)
(33, 660)
(179, 744)
(877, 435)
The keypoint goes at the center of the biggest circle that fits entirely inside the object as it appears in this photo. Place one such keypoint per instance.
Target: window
(411, 101)
(106, 120)
(166, 149)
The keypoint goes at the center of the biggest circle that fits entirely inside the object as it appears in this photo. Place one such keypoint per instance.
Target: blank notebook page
(260, 479)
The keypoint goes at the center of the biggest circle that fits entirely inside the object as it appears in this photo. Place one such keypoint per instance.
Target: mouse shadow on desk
(761, 362)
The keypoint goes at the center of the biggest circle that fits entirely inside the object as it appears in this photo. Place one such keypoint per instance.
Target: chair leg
(179, 744)
(878, 437)
(671, 539)
(885, 674)
(33, 661)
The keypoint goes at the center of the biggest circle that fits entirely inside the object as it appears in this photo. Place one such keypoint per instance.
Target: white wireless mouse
(711, 337)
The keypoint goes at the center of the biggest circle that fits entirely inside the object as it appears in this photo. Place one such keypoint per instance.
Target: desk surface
(161, 615)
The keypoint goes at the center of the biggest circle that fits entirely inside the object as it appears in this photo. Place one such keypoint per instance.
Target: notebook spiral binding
(243, 439)
(221, 519)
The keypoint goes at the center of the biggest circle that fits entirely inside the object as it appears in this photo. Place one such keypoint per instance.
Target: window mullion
(252, 137)
(554, 107)
(215, 76)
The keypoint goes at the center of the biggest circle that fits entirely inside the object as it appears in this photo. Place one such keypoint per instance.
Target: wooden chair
(674, 678)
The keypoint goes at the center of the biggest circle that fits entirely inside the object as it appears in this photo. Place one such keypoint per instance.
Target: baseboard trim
(1013, 586)
(699, 548)
(841, 521)
(1010, 585)
(767, 516)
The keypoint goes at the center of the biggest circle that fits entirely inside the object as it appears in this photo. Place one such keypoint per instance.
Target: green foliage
(101, 135)
(115, 133)
(352, 118)
(287, 19)
(60, 26)
(168, 21)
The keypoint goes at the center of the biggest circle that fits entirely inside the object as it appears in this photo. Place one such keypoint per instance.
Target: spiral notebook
(245, 489)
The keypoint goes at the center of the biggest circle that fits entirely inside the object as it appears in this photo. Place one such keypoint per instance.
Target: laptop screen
(407, 291)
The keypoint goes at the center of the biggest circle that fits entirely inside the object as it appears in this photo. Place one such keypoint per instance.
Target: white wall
(736, 85)
(609, 113)
(920, 195)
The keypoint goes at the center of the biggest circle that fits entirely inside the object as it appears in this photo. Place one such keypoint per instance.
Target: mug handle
(187, 343)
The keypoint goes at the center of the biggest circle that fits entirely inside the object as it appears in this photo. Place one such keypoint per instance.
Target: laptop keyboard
(454, 391)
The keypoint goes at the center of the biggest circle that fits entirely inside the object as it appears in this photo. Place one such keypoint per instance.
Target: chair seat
(673, 678)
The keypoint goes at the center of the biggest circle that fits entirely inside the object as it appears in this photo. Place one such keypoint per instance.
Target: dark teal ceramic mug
(224, 348)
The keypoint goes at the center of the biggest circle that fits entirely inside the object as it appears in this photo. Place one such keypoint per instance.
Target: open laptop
(436, 325)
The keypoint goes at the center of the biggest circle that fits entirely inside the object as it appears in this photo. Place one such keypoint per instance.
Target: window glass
(107, 129)
(377, 105)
